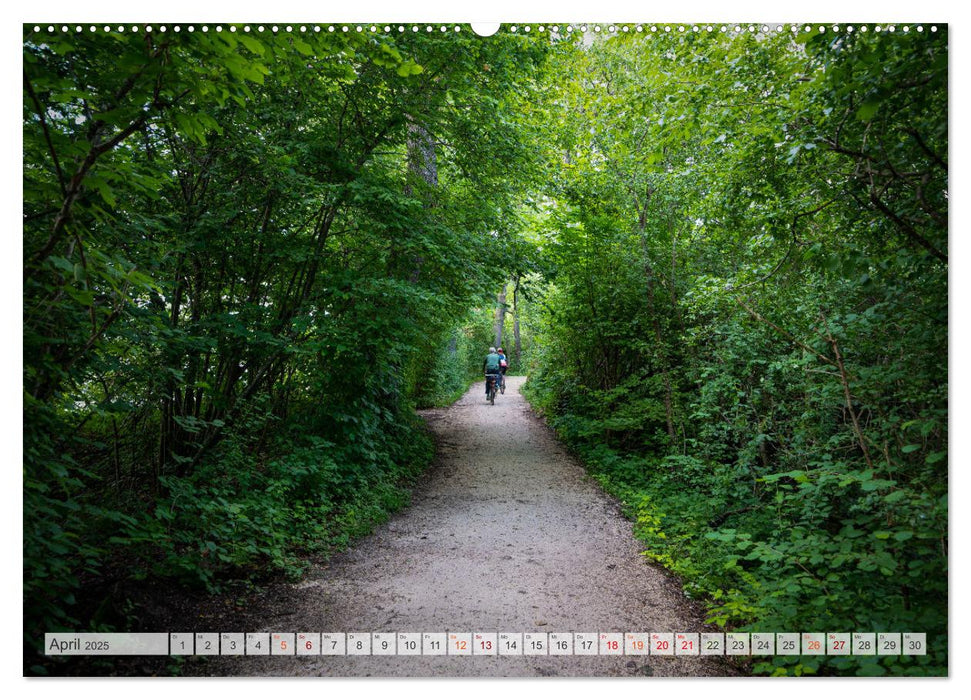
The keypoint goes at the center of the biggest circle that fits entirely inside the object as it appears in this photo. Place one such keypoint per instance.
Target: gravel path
(507, 534)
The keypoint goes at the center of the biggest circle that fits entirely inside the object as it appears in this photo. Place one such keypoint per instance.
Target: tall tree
(500, 323)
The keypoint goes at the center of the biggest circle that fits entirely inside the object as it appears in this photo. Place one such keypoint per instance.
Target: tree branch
(906, 227)
(924, 147)
(47, 135)
(786, 334)
(846, 392)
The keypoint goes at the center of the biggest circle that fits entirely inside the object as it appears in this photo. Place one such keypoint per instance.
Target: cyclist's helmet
(499, 350)
(491, 350)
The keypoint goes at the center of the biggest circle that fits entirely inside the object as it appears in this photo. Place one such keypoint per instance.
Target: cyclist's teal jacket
(491, 363)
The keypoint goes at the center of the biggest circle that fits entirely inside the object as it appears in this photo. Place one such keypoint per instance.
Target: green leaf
(105, 191)
(804, 37)
(409, 68)
(875, 484)
(251, 43)
(62, 263)
(867, 110)
(303, 47)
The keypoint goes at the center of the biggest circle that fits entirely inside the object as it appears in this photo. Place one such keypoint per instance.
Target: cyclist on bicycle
(503, 366)
(491, 367)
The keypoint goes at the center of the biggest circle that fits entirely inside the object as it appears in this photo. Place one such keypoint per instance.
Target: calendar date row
(489, 644)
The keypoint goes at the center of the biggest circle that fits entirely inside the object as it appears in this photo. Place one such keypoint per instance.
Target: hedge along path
(507, 534)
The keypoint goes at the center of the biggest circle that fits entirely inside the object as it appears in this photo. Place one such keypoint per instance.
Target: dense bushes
(237, 518)
(245, 258)
(451, 364)
(746, 338)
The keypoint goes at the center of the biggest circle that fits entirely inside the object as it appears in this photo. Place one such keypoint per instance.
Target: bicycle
(502, 383)
(492, 385)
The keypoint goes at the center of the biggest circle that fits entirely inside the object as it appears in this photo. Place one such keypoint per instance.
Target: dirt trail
(506, 535)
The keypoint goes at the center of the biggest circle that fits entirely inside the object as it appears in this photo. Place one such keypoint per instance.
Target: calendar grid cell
(409, 644)
(232, 644)
(283, 644)
(687, 644)
(207, 644)
(838, 644)
(888, 643)
(637, 644)
(561, 643)
(182, 644)
(737, 644)
(787, 643)
(712, 643)
(535, 643)
(585, 644)
(333, 644)
(485, 644)
(358, 643)
(383, 644)
(611, 643)
(813, 644)
(864, 644)
(510, 643)
(434, 644)
(460, 644)
(763, 644)
(662, 644)
(914, 644)
(308, 643)
(257, 643)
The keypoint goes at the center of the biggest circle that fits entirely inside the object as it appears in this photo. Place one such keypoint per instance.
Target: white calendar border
(545, 10)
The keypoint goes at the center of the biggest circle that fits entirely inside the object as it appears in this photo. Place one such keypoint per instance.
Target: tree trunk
(500, 314)
(422, 175)
(650, 277)
(422, 161)
(517, 345)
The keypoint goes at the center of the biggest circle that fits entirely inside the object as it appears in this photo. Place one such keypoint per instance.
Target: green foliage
(234, 519)
(243, 254)
(247, 258)
(743, 328)
(444, 375)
